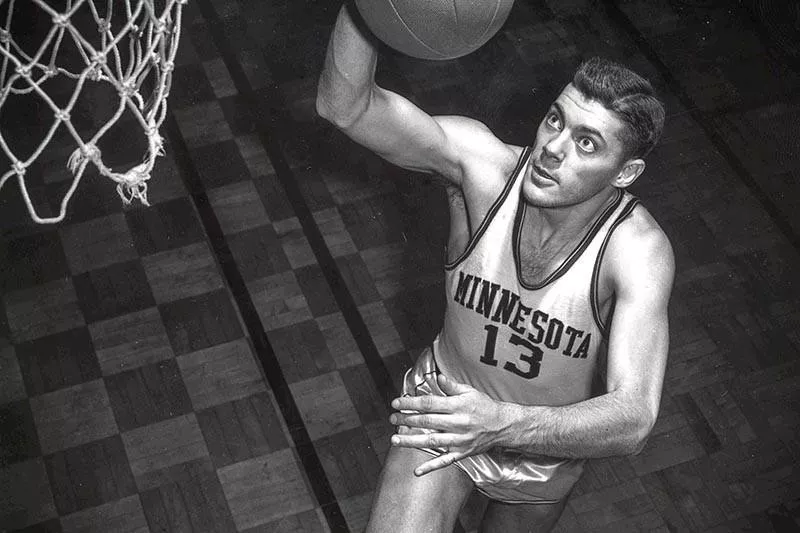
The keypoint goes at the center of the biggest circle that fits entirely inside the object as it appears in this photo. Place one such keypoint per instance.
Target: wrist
(522, 426)
(508, 419)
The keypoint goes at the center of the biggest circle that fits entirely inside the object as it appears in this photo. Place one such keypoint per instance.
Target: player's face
(577, 154)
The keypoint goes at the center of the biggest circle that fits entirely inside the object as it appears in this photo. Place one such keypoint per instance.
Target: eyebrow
(581, 128)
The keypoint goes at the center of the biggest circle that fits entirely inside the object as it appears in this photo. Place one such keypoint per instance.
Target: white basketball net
(136, 57)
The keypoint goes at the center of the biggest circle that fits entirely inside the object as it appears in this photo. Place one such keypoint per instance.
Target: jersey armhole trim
(473, 240)
(594, 289)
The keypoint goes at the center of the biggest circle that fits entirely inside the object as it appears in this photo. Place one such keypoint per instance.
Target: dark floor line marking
(622, 21)
(263, 349)
(330, 269)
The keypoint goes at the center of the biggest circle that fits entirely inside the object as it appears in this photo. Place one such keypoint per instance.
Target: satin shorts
(503, 475)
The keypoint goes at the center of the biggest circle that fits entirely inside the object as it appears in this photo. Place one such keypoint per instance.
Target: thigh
(521, 517)
(405, 502)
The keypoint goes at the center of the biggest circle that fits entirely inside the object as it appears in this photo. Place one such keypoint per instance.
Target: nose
(553, 149)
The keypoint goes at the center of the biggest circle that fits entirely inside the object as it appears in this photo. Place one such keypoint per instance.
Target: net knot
(61, 20)
(91, 151)
(95, 69)
(5, 36)
(133, 184)
(24, 71)
(86, 152)
(62, 114)
(156, 140)
(98, 60)
(127, 88)
(19, 168)
(103, 25)
(95, 73)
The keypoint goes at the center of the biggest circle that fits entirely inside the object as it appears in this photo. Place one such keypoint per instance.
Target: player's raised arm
(381, 120)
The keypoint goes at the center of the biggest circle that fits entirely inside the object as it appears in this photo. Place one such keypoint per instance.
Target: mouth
(543, 173)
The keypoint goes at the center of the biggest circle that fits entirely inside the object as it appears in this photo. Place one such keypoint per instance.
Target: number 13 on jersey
(530, 355)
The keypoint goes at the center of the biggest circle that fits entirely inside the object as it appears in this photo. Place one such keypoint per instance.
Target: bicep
(400, 132)
(405, 135)
(639, 336)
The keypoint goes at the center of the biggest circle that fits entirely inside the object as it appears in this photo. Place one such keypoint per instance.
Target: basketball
(434, 29)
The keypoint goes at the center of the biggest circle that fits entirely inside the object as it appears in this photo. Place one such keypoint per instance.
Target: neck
(565, 223)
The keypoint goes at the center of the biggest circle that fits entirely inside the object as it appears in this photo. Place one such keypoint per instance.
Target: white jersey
(527, 344)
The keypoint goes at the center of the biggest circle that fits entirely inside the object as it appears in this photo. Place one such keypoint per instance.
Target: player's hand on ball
(465, 422)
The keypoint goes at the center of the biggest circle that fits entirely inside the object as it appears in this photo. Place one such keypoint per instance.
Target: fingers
(452, 387)
(424, 421)
(438, 463)
(428, 404)
(432, 441)
(427, 440)
(444, 442)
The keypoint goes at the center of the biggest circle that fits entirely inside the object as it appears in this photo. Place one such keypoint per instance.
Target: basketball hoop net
(132, 49)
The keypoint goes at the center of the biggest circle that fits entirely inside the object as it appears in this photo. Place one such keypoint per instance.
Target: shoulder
(483, 158)
(640, 256)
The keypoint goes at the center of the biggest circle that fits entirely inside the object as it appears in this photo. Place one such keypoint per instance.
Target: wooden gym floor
(222, 360)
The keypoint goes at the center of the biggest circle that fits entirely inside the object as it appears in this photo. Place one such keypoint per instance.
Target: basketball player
(555, 275)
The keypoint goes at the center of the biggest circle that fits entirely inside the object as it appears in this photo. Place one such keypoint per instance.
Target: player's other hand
(463, 423)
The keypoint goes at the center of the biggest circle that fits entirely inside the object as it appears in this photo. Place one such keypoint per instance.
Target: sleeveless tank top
(527, 344)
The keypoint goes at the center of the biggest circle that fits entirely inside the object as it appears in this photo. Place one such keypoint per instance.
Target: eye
(553, 121)
(587, 144)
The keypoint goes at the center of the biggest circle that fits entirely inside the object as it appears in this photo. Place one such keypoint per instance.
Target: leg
(404, 502)
(524, 517)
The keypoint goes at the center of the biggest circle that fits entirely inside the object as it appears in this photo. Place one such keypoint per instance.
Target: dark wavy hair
(629, 96)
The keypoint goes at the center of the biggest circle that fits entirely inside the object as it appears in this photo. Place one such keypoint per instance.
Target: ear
(631, 170)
